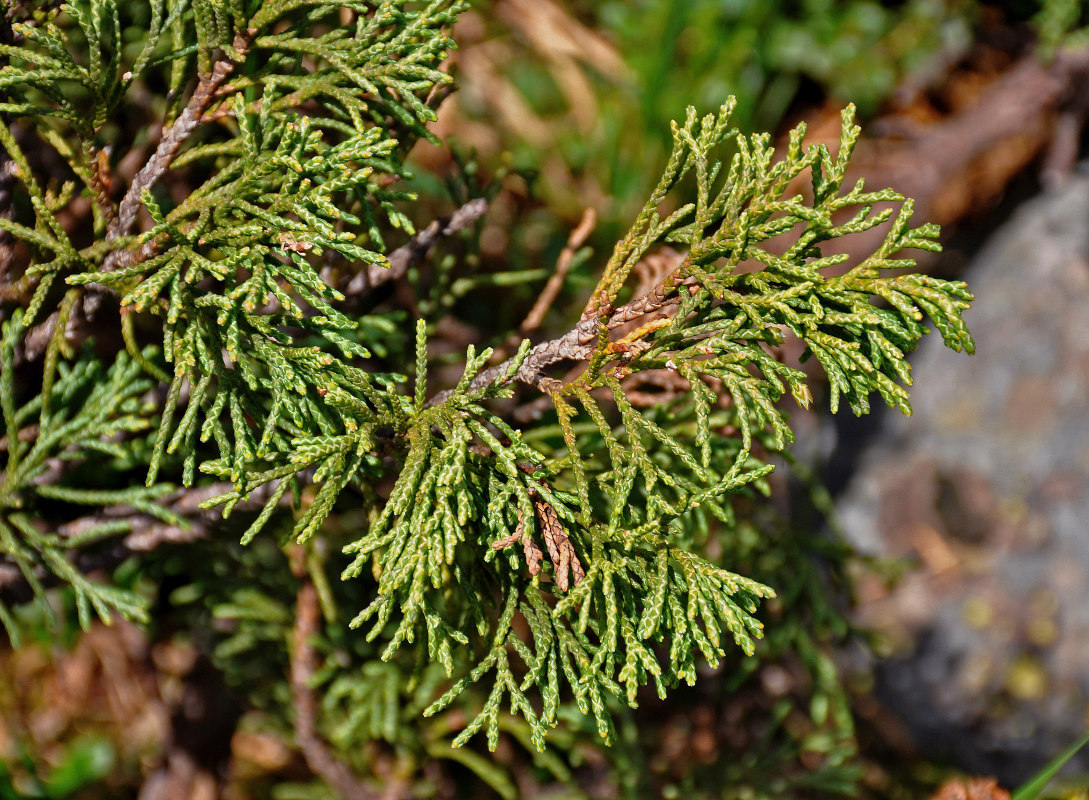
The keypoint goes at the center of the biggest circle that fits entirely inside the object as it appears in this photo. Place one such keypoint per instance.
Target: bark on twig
(101, 183)
(579, 342)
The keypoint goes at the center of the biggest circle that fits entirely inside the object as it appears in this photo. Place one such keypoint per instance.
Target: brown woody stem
(169, 145)
(304, 663)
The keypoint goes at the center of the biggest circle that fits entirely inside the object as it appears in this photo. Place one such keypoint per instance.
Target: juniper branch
(270, 373)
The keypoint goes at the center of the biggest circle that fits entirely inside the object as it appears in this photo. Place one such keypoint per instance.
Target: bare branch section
(408, 255)
(146, 533)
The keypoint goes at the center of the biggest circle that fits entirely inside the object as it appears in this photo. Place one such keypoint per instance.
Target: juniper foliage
(509, 564)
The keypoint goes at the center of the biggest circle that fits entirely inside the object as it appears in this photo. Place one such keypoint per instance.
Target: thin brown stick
(303, 666)
(548, 295)
(100, 184)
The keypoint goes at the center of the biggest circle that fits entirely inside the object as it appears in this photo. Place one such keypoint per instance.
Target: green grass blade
(1032, 788)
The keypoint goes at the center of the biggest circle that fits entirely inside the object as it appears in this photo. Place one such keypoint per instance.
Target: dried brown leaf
(565, 561)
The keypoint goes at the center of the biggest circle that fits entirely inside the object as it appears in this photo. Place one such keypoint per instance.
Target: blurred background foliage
(564, 103)
(584, 93)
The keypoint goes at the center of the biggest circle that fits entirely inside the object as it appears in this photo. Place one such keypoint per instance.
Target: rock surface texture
(987, 488)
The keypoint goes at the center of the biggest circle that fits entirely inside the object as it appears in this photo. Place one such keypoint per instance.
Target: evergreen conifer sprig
(279, 183)
(712, 324)
(532, 561)
(87, 414)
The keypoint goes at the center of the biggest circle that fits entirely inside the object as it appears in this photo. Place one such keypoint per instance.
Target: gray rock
(987, 486)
